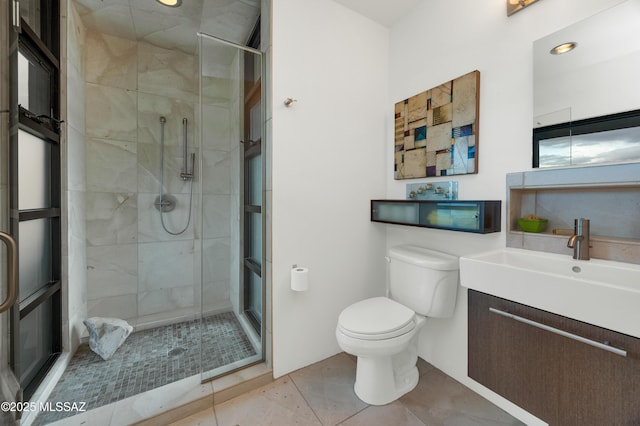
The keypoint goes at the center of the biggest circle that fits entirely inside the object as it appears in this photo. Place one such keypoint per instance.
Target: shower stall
(171, 214)
(163, 185)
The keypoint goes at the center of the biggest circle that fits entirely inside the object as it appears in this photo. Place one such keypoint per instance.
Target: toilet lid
(376, 319)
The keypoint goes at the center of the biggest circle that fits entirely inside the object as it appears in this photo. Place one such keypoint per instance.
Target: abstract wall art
(436, 131)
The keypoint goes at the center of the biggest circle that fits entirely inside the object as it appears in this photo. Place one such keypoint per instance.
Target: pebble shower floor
(149, 359)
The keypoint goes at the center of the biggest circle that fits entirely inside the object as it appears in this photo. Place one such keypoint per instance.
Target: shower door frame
(240, 250)
(10, 389)
(249, 265)
(40, 45)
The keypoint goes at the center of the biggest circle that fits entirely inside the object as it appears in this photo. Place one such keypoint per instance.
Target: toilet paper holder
(299, 278)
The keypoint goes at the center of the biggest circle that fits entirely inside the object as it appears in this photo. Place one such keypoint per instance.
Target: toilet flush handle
(388, 259)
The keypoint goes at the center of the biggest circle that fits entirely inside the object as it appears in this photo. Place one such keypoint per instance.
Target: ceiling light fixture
(170, 3)
(514, 6)
(563, 48)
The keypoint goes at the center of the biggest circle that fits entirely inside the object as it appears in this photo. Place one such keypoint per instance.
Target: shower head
(162, 119)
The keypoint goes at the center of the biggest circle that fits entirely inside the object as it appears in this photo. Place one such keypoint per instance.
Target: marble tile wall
(136, 270)
(111, 176)
(73, 177)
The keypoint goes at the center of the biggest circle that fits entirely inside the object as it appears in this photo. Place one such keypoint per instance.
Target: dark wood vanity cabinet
(559, 380)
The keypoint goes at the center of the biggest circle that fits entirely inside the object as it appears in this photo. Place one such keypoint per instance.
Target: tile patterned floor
(322, 394)
(149, 359)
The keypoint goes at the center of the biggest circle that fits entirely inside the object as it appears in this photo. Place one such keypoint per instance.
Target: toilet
(383, 331)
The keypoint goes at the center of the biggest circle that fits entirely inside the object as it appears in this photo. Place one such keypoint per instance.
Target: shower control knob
(166, 203)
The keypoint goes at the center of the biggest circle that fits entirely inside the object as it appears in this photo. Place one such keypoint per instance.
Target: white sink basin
(598, 292)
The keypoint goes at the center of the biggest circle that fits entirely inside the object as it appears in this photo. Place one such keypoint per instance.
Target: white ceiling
(172, 28)
(232, 20)
(385, 12)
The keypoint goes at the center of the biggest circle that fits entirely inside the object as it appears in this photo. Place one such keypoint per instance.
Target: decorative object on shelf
(447, 190)
(514, 6)
(532, 223)
(562, 231)
(481, 217)
(436, 131)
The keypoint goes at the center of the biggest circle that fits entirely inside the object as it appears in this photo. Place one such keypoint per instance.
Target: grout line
(304, 399)
(215, 413)
(354, 414)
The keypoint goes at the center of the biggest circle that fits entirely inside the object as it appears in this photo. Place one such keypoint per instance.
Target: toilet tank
(424, 280)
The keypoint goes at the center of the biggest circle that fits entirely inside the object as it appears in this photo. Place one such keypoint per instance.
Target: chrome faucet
(579, 241)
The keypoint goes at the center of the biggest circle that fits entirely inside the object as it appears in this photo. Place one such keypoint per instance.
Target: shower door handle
(12, 271)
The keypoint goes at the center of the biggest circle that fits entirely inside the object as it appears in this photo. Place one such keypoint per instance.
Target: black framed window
(611, 138)
(42, 20)
(253, 286)
(35, 183)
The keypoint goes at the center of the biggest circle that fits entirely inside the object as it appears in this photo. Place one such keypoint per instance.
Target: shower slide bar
(185, 174)
(165, 203)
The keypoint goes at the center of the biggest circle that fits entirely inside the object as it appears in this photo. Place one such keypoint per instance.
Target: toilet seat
(377, 318)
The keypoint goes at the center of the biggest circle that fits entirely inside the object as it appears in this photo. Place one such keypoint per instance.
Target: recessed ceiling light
(563, 48)
(170, 3)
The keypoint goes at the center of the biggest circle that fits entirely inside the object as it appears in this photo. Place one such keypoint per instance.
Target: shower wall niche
(135, 269)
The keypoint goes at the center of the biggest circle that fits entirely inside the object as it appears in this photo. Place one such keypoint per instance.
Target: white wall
(347, 73)
(328, 162)
(440, 41)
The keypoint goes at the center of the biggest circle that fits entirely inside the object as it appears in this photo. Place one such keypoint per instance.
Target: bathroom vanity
(560, 380)
(560, 337)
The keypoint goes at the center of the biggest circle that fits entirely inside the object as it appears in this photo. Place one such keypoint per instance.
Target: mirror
(586, 90)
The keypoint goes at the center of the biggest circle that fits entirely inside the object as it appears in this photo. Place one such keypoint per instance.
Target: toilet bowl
(383, 331)
(386, 347)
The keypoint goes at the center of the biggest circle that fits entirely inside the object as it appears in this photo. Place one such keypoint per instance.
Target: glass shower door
(231, 129)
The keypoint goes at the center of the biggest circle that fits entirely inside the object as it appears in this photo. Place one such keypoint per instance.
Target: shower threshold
(174, 401)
